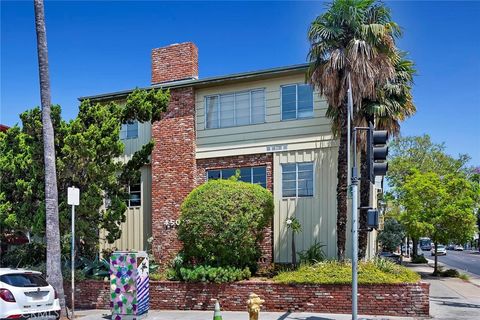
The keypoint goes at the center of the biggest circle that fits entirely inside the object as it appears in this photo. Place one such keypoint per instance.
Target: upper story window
(256, 175)
(297, 179)
(235, 109)
(297, 101)
(129, 130)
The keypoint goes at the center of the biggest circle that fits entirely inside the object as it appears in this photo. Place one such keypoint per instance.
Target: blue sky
(98, 47)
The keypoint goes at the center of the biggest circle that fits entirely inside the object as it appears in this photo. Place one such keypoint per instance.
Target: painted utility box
(129, 287)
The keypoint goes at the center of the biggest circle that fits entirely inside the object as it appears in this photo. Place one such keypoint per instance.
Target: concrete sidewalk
(228, 315)
(450, 298)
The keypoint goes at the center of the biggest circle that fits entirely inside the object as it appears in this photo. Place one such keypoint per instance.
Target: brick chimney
(175, 62)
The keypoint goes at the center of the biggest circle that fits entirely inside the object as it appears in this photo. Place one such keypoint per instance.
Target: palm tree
(394, 103)
(52, 230)
(356, 39)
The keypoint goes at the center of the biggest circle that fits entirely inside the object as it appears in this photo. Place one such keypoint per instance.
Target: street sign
(73, 196)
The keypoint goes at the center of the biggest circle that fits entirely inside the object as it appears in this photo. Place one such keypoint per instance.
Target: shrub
(222, 223)
(450, 273)
(464, 276)
(25, 255)
(419, 259)
(313, 254)
(210, 274)
(334, 272)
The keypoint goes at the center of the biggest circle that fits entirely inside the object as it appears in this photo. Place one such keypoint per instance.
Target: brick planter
(394, 300)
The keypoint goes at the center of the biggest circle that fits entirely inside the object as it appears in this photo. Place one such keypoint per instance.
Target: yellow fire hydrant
(253, 304)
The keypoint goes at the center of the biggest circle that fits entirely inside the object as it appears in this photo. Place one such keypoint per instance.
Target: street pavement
(207, 315)
(463, 260)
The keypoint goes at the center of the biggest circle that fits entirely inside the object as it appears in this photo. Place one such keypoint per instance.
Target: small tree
(294, 225)
(440, 207)
(222, 223)
(392, 234)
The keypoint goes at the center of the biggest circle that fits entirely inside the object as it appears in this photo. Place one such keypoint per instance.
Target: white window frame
(219, 111)
(140, 192)
(296, 179)
(296, 101)
(238, 168)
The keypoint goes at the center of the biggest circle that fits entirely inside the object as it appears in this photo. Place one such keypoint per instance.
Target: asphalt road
(466, 260)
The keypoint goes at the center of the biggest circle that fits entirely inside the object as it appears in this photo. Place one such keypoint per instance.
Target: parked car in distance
(450, 247)
(25, 294)
(458, 247)
(441, 250)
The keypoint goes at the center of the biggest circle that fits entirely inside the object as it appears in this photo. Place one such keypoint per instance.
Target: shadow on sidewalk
(457, 304)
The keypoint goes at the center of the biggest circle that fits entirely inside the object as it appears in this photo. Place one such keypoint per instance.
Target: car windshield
(441, 247)
(24, 280)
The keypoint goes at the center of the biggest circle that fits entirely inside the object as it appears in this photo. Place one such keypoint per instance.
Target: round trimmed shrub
(222, 222)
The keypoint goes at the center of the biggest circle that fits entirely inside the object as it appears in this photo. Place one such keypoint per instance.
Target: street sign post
(73, 199)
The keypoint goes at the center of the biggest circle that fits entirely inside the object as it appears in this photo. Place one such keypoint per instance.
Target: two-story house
(270, 124)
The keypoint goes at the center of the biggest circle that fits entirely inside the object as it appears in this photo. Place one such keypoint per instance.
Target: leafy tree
(222, 223)
(88, 149)
(392, 234)
(438, 206)
(407, 154)
(353, 40)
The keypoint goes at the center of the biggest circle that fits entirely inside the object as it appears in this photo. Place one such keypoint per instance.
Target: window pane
(305, 166)
(132, 130)
(212, 112)
(242, 108)
(260, 176)
(289, 102)
(226, 111)
(305, 101)
(135, 187)
(258, 106)
(227, 173)
(246, 175)
(291, 167)
(123, 132)
(213, 174)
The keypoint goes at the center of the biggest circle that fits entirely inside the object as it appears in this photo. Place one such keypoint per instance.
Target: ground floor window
(256, 175)
(297, 179)
(135, 194)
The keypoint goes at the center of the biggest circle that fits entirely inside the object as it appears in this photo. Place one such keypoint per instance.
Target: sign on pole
(73, 196)
(73, 199)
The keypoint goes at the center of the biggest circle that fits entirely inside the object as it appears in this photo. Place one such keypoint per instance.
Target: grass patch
(464, 276)
(419, 259)
(378, 271)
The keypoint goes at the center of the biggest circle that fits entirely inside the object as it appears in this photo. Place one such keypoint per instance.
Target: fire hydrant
(253, 304)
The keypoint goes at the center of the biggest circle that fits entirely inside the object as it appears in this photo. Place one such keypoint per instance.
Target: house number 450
(171, 224)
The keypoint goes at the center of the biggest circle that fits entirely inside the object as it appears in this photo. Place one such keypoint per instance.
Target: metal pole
(354, 228)
(73, 262)
(349, 115)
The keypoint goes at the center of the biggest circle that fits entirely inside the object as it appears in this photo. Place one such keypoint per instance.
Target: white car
(441, 250)
(458, 248)
(25, 294)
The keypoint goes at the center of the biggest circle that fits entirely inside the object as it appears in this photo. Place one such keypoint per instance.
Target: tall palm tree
(52, 230)
(394, 103)
(356, 39)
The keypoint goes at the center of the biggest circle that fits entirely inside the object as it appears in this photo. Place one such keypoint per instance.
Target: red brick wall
(175, 62)
(173, 169)
(394, 300)
(252, 160)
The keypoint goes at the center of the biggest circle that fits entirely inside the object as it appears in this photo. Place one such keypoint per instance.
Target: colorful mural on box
(129, 284)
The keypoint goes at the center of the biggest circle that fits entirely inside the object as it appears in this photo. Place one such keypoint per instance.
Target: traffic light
(377, 152)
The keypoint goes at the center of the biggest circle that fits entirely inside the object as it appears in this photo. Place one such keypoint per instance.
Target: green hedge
(222, 222)
(378, 271)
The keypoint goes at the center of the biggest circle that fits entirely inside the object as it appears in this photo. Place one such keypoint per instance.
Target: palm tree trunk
(52, 231)
(294, 253)
(342, 185)
(364, 202)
